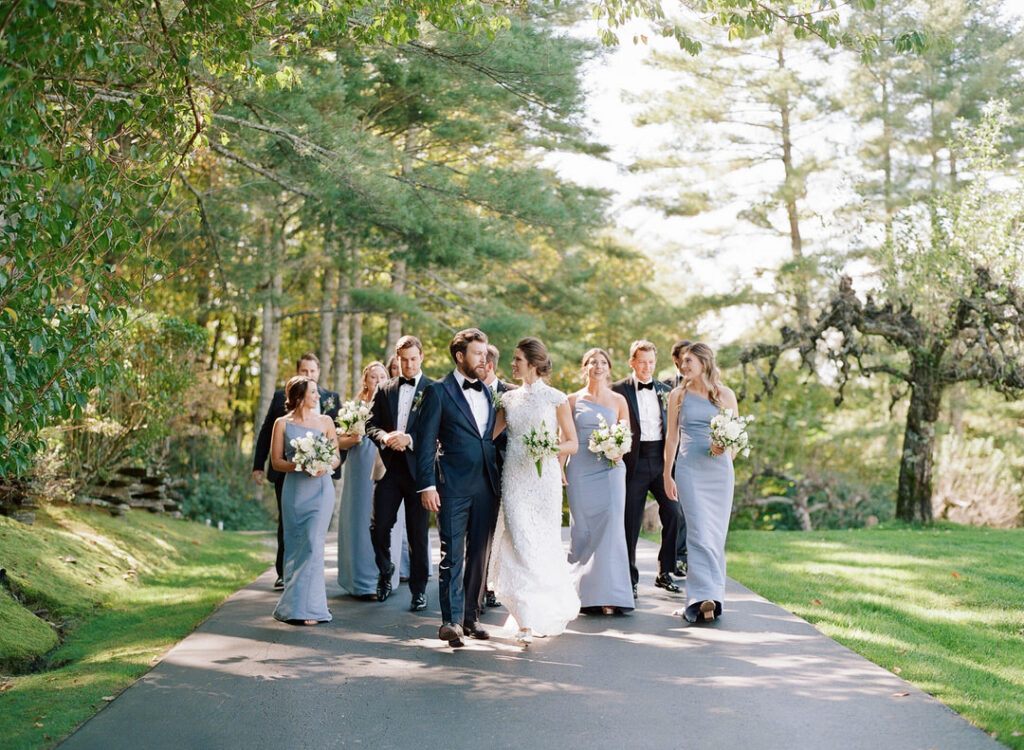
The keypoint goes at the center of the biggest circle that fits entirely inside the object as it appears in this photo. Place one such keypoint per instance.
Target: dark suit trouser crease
(647, 476)
(388, 494)
(279, 560)
(465, 526)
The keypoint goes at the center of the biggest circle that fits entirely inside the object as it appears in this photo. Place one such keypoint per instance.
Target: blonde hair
(710, 374)
(366, 371)
(641, 345)
(589, 355)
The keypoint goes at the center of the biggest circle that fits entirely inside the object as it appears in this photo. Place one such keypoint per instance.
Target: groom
(461, 482)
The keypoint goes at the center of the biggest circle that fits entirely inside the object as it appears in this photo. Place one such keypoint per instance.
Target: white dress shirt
(479, 402)
(405, 396)
(649, 412)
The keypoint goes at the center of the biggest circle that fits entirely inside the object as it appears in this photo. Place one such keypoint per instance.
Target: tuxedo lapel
(413, 411)
(634, 406)
(452, 386)
(661, 391)
(393, 402)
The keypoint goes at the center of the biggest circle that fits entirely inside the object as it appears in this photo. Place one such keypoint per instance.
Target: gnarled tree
(950, 310)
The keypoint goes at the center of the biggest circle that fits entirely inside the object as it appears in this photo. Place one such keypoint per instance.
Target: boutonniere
(416, 400)
(496, 399)
(663, 397)
(327, 404)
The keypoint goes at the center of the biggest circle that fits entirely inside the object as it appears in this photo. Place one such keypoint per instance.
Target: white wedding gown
(529, 572)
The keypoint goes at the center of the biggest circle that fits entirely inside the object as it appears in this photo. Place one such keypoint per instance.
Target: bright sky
(739, 253)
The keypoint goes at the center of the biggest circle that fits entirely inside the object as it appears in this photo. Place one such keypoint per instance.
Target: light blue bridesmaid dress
(705, 485)
(357, 569)
(597, 504)
(357, 566)
(306, 507)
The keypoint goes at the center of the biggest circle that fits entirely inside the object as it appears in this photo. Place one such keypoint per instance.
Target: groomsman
(645, 461)
(308, 365)
(677, 357)
(497, 387)
(391, 425)
(460, 482)
(674, 382)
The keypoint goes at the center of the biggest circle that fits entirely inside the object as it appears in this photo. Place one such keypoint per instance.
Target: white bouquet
(314, 454)
(352, 416)
(540, 444)
(613, 442)
(730, 432)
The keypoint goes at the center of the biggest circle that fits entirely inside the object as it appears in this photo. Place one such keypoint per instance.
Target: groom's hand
(431, 500)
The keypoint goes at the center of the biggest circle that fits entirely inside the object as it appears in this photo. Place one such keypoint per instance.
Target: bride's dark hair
(536, 354)
(295, 391)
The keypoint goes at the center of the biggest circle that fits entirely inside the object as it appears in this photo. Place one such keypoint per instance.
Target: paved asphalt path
(377, 676)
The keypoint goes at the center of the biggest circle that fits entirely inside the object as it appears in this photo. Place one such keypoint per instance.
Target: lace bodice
(529, 407)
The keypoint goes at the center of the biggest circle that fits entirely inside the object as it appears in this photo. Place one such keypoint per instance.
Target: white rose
(733, 430)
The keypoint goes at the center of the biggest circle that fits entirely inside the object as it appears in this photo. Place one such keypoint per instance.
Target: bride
(529, 572)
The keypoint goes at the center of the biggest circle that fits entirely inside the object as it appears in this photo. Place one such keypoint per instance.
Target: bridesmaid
(702, 482)
(597, 498)
(307, 503)
(357, 568)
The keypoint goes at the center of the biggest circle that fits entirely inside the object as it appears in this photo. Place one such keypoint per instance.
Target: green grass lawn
(120, 592)
(943, 607)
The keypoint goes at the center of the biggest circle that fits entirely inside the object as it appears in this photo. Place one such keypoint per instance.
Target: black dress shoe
(384, 583)
(279, 584)
(664, 581)
(491, 600)
(473, 630)
(680, 571)
(450, 631)
(419, 603)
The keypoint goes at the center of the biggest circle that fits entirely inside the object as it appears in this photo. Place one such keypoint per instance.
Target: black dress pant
(465, 525)
(391, 491)
(648, 476)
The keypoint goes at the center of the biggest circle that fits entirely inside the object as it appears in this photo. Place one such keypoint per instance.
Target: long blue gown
(357, 566)
(357, 570)
(705, 485)
(597, 504)
(306, 507)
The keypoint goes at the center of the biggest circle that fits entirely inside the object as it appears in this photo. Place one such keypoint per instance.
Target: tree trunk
(327, 302)
(270, 337)
(914, 496)
(356, 282)
(395, 318)
(791, 192)
(342, 346)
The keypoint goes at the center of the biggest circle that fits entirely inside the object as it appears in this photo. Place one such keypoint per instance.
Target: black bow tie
(647, 386)
(406, 381)
(476, 385)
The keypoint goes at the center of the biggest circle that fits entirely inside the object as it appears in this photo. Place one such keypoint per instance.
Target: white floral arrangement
(730, 432)
(540, 444)
(611, 441)
(314, 454)
(352, 416)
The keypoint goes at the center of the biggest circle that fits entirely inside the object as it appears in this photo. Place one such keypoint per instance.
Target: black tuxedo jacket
(627, 387)
(384, 419)
(329, 404)
(465, 462)
(501, 442)
(675, 381)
